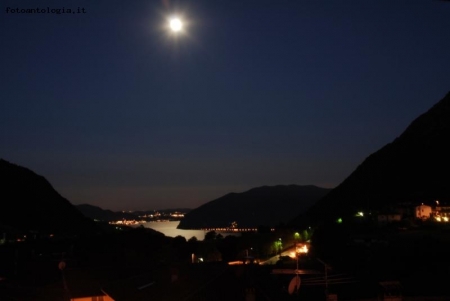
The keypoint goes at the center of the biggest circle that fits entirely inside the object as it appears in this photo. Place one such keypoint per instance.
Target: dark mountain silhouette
(97, 213)
(29, 203)
(262, 206)
(414, 168)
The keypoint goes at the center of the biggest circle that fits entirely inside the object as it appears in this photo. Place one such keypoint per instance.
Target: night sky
(118, 112)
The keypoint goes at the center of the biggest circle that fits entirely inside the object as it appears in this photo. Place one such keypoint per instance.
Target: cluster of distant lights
(128, 222)
(150, 215)
(21, 239)
(177, 214)
(233, 229)
(247, 261)
(145, 215)
(156, 214)
(441, 218)
(135, 222)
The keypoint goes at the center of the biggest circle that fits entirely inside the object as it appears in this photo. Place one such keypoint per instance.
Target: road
(274, 259)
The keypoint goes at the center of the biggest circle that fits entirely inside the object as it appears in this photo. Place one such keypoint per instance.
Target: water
(169, 228)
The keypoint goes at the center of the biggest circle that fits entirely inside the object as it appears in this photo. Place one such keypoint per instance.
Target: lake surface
(169, 228)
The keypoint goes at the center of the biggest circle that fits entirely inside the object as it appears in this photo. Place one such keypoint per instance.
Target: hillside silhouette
(30, 203)
(261, 206)
(412, 169)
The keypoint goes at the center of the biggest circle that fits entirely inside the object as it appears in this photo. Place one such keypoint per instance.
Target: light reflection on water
(169, 228)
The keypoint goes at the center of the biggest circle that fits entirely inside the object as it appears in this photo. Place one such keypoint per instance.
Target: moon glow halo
(175, 24)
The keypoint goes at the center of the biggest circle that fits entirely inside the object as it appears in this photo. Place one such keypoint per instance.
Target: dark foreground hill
(414, 168)
(29, 203)
(262, 206)
(411, 170)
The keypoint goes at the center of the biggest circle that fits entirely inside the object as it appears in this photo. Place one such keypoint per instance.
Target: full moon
(175, 24)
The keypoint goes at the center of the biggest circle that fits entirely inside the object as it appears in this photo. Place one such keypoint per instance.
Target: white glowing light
(175, 24)
(302, 249)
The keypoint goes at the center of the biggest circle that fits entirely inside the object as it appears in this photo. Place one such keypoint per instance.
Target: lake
(169, 228)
